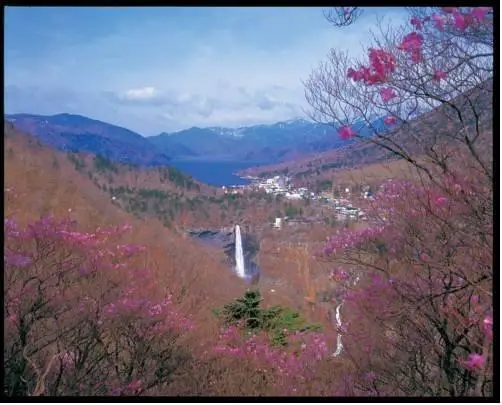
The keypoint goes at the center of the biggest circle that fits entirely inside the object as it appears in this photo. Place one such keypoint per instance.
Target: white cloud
(144, 93)
(147, 96)
(238, 68)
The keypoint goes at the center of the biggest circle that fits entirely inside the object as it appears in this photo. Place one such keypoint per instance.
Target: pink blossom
(475, 361)
(416, 56)
(424, 257)
(358, 75)
(339, 274)
(449, 10)
(16, 260)
(370, 376)
(479, 13)
(441, 201)
(387, 94)
(439, 20)
(343, 240)
(469, 19)
(417, 23)
(459, 20)
(411, 42)
(84, 270)
(382, 64)
(438, 75)
(488, 326)
(390, 120)
(12, 318)
(68, 359)
(346, 132)
(134, 386)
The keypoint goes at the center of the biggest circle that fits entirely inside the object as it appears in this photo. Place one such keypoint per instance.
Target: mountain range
(277, 142)
(266, 144)
(81, 134)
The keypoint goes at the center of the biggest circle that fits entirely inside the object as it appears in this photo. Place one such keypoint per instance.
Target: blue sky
(164, 69)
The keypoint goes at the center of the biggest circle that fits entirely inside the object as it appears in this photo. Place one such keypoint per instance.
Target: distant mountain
(82, 134)
(263, 144)
(273, 143)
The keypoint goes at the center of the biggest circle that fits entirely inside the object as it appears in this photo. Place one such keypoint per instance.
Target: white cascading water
(339, 345)
(239, 253)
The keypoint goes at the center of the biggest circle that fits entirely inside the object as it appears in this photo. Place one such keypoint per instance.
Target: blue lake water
(215, 173)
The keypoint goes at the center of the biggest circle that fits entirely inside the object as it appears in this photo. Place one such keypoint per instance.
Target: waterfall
(239, 253)
(339, 345)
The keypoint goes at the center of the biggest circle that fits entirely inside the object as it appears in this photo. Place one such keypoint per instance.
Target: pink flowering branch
(50, 266)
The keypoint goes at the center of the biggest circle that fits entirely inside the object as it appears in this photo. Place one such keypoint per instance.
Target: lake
(215, 173)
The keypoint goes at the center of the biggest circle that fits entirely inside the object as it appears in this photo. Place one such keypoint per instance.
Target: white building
(294, 196)
(278, 223)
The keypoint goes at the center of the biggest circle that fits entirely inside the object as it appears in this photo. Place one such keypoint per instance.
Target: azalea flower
(459, 20)
(439, 20)
(382, 64)
(424, 257)
(12, 318)
(479, 13)
(417, 23)
(488, 326)
(439, 75)
(346, 132)
(416, 56)
(475, 361)
(411, 42)
(387, 94)
(390, 120)
(370, 376)
(441, 201)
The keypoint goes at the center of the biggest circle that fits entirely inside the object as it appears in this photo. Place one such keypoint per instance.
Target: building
(278, 223)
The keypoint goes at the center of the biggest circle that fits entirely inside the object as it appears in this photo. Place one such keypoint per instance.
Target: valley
(247, 250)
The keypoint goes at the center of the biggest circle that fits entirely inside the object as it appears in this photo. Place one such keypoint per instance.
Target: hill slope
(41, 181)
(416, 138)
(77, 133)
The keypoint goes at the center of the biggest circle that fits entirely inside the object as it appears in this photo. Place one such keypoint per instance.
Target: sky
(163, 69)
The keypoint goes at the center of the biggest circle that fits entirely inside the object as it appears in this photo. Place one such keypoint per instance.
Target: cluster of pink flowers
(339, 274)
(91, 254)
(373, 290)
(390, 120)
(474, 362)
(346, 132)
(343, 240)
(382, 65)
(64, 256)
(295, 362)
(394, 197)
(12, 259)
(412, 44)
(387, 94)
(420, 220)
(455, 18)
(439, 75)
